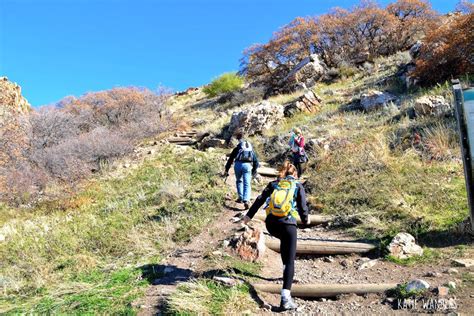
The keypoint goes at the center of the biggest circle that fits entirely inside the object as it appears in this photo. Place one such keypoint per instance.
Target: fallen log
(327, 290)
(315, 219)
(320, 247)
(268, 172)
(180, 139)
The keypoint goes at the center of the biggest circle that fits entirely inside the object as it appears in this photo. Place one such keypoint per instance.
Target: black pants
(297, 164)
(287, 235)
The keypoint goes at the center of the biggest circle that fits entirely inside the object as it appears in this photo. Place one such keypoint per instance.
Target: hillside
(11, 99)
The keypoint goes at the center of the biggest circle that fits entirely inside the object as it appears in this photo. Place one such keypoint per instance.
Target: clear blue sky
(55, 48)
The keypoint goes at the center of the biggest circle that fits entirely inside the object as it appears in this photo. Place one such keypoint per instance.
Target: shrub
(447, 50)
(227, 82)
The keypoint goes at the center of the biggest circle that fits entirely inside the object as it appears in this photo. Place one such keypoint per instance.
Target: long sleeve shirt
(297, 144)
(233, 155)
(301, 204)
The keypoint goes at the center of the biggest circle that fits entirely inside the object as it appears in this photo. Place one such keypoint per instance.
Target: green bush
(227, 82)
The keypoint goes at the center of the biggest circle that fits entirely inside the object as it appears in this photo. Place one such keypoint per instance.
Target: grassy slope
(82, 255)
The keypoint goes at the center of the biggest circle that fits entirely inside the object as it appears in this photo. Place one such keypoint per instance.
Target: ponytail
(287, 169)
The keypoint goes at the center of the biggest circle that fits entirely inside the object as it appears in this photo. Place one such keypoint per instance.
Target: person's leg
(247, 175)
(296, 163)
(288, 254)
(239, 181)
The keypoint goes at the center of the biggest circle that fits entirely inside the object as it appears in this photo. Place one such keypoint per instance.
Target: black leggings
(297, 164)
(287, 235)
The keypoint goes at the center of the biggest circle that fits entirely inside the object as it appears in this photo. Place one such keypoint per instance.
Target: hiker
(285, 197)
(297, 148)
(245, 167)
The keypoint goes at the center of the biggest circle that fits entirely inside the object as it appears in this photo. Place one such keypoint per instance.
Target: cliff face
(11, 100)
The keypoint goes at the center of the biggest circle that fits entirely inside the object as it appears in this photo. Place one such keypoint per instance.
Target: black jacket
(234, 154)
(301, 205)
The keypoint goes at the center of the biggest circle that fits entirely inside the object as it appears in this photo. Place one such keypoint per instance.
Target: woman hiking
(245, 167)
(286, 197)
(297, 148)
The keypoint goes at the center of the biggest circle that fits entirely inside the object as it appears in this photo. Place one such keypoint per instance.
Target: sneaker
(246, 205)
(287, 304)
(238, 201)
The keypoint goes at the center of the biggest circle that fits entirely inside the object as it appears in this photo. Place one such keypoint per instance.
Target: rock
(227, 281)
(432, 274)
(126, 165)
(442, 291)
(452, 285)
(211, 142)
(225, 243)
(309, 102)
(151, 152)
(403, 246)
(465, 263)
(346, 263)
(417, 286)
(217, 253)
(255, 119)
(250, 245)
(367, 264)
(328, 259)
(374, 100)
(452, 271)
(304, 75)
(415, 49)
(431, 105)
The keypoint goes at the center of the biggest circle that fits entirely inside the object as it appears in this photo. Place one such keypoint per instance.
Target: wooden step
(324, 247)
(315, 219)
(326, 290)
(180, 139)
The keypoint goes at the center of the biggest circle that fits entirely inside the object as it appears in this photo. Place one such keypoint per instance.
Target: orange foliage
(447, 51)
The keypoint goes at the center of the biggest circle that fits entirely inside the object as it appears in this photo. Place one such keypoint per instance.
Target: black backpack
(245, 152)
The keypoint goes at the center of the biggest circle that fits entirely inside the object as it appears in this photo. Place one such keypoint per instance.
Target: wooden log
(184, 143)
(180, 139)
(268, 172)
(315, 219)
(327, 290)
(324, 247)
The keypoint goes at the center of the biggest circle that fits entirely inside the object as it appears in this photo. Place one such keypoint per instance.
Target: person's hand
(225, 174)
(246, 219)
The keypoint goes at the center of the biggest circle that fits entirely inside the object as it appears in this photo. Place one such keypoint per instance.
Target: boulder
(250, 245)
(417, 285)
(255, 119)
(309, 102)
(403, 246)
(374, 100)
(213, 142)
(415, 49)
(304, 75)
(431, 105)
(466, 263)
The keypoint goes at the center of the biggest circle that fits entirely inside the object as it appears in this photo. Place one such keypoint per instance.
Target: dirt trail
(189, 261)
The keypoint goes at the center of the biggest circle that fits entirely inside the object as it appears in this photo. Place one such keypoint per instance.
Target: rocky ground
(190, 262)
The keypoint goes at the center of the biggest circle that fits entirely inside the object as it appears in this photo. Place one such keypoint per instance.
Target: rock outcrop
(255, 119)
(403, 246)
(250, 245)
(431, 105)
(309, 102)
(374, 100)
(304, 75)
(11, 99)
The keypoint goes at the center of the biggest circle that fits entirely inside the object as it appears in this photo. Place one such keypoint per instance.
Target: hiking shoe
(238, 201)
(246, 205)
(287, 304)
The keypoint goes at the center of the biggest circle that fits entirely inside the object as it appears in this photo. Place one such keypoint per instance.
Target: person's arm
(301, 143)
(267, 192)
(256, 164)
(231, 159)
(301, 204)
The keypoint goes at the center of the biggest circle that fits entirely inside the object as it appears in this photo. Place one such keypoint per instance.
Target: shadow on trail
(442, 239)
(159, 274)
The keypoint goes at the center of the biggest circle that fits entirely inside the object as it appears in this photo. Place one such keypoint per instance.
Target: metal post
(465, 145)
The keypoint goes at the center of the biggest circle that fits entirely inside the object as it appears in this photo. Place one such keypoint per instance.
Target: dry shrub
(447, 51)
(340, 37)
(79, 136)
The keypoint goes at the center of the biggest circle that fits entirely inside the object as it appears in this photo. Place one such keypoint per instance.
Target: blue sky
(55, 48)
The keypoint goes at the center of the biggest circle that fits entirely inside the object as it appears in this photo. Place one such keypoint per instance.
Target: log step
(268, 172)
(315, 219)
(180, 139)
(326, 290)
(320, 247)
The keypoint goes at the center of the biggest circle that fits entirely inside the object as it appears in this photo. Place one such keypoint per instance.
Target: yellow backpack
(282, 199)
